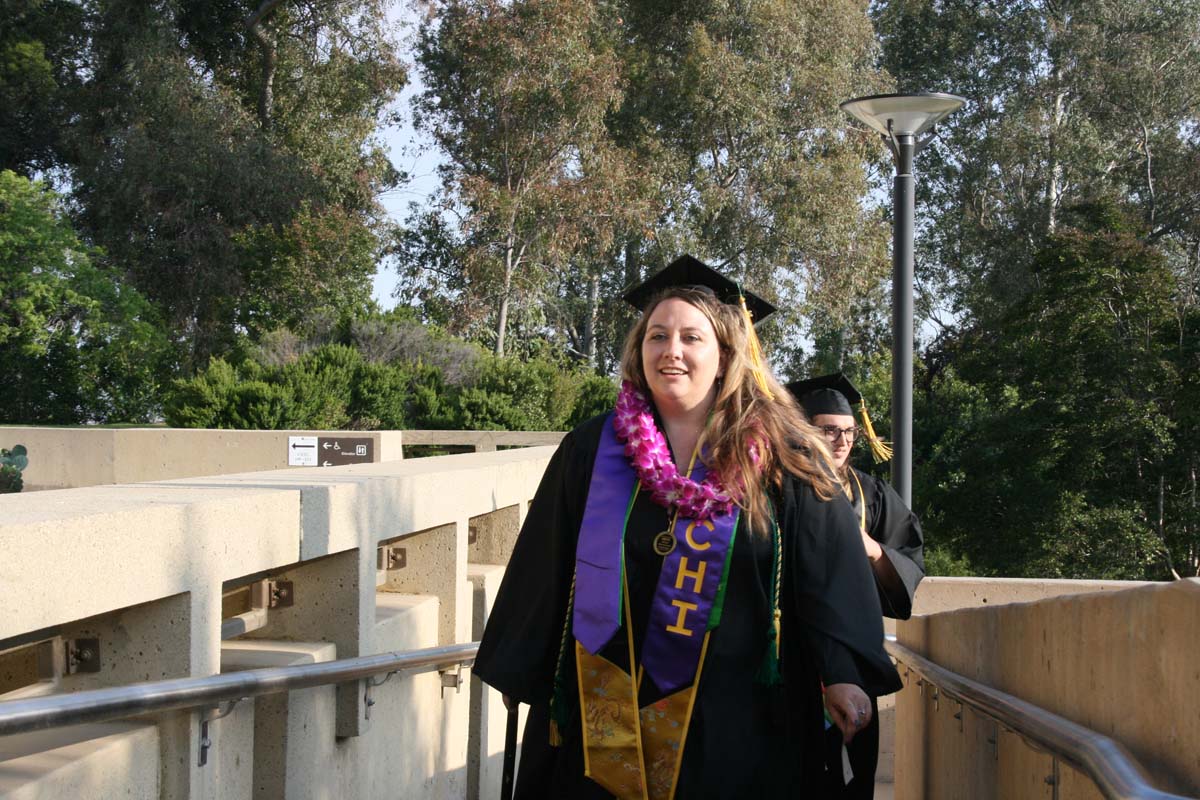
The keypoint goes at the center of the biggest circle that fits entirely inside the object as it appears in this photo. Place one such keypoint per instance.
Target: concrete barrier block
(331, 603)
(112, 759)
(417, 744)
(138, 543)
(435, 563)
(294, 748)
(489, 717)
(492, 535)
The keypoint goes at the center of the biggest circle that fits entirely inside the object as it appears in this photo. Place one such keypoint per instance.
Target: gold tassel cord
(756, 355)
(880, 450)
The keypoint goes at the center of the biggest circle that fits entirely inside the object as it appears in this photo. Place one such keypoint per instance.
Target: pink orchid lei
(647, 450)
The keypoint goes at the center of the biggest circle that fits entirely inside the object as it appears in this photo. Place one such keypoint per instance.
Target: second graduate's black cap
(690, 271)
(828, 394)
(835, 394)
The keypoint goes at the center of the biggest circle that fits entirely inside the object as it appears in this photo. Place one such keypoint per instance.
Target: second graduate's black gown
(896, 528)
(746, 739)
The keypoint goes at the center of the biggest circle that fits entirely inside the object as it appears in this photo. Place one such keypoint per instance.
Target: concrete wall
(70, 458)
(946, 594)
(1119, 662)
(142, 567)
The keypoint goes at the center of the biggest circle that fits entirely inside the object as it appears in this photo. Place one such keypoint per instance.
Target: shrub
(12, 464)
(597, 395)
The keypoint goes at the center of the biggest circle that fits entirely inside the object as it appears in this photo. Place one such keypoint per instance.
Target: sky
(409, 151)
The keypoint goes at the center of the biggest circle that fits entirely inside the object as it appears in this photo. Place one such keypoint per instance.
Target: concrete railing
(69, 458)
(1116, 658)
(112, 585)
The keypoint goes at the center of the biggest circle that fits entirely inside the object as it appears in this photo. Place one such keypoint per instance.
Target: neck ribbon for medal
(634, 752)
(859, 502)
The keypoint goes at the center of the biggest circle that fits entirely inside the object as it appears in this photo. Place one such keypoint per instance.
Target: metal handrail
(119, 702)
(1116, 773)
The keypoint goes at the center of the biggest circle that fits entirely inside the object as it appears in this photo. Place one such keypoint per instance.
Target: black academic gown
(898, 531)
(746, 739)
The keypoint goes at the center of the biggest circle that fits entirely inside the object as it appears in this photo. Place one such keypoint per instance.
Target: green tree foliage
(1069, 102)
(222, 154)
(37, 46)
(77, 344)
(1055, 433)
(1062, 440)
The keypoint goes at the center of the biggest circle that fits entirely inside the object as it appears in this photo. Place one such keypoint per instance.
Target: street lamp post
(905, 122)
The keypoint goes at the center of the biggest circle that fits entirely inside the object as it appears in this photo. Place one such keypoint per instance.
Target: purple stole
(686, 606)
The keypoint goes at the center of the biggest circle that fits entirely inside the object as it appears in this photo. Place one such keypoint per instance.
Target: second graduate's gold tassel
(757, 362)
(879, 448)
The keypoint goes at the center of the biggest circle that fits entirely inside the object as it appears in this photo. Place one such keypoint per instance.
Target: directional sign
(334, 452)
(302, 451)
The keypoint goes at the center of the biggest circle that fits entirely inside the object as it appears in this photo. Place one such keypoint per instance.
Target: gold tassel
(879, 448)
(778, 630)
(555, 735)
(756, 354)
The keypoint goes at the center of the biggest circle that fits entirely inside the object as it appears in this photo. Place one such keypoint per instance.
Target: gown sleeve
(519, 650)
(828, 581)
(898, 531)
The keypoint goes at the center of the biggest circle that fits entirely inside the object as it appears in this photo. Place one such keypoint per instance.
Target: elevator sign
(334, 452)
(329, 451)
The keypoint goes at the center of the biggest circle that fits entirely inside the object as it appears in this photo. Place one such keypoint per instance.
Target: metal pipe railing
(1116, 773)
(119, 702)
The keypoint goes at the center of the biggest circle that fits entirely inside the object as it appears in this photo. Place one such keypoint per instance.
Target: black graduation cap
(835, 394)
(690, 271)
(828, 394)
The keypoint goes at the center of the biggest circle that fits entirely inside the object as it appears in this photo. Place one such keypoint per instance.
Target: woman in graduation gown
(891, 535)
(683, 586)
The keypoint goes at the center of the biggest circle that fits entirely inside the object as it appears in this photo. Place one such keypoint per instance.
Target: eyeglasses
(833, 432)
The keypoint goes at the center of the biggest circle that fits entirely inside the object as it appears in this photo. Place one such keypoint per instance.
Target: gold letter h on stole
(683, 574)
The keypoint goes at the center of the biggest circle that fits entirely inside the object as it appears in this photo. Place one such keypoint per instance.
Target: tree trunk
(266, 42)
(1054, 186)
(1161, 525)
(633, 270)
(502, 313)
(589, 327)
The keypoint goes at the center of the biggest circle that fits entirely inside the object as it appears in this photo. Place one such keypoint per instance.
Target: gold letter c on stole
(691, 541)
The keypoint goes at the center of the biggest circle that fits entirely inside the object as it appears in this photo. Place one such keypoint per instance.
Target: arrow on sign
(326, 464)
(325, 446)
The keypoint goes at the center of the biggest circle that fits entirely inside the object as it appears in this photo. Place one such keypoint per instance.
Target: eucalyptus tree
(516, 96)
(737, 105)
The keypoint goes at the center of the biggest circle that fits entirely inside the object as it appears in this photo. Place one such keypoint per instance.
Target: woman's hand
(849, 707)
(874, 551)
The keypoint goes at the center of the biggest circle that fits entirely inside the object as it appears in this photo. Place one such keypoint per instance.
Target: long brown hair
(743, 417)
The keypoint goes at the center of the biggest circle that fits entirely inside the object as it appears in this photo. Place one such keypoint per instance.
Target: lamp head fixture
(894, 115)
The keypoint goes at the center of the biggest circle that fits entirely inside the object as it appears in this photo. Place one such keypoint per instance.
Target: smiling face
(681, 357)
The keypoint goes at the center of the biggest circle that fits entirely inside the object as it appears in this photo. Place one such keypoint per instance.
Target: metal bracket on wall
(264, 596)
(82, 655)
(208, 715)
(369, 685)
(391, 556)
(280, 594)
(451, 679)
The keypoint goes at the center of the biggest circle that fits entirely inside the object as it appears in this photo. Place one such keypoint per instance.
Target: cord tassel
(756, 354)
(558, 695)
(880, 450)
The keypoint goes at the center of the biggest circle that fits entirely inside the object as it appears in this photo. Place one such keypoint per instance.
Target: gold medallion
(664, 543)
